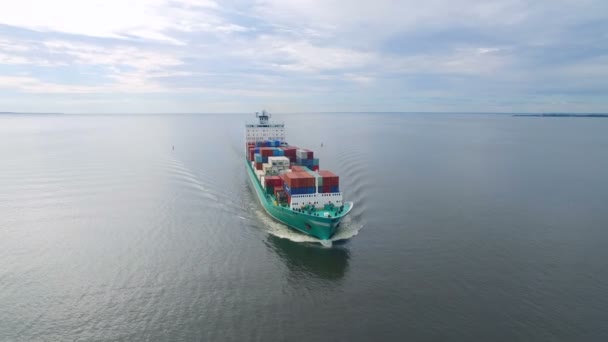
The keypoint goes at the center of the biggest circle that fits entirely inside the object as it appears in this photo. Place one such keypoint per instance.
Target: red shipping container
(309, 153)
(297, 168)
(266, 151)
(274, 181)
(258, 166)
(329, 178)
(290, 151)
(298, 179)
(251, 153)
(315, 167)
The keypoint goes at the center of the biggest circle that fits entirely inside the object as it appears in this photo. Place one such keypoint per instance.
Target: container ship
(288, 182)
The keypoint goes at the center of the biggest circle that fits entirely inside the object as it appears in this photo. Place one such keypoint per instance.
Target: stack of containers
(260, 175)
(262, 153)
(271, 183)
(306, 158)
(249, 148)
(278, 161)
(277, 189)
(318, 178)
(298, 183)
(276, 165)
(290, 152)
(257, 158)
(268, 143)
(328, 182)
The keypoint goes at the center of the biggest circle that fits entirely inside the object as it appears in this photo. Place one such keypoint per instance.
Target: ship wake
(348, 229)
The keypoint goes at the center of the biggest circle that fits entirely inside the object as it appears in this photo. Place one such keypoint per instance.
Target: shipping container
(278, 161)
(305, 153)
(300, 190)
(273, 181)
(329, 178)
(298, 179)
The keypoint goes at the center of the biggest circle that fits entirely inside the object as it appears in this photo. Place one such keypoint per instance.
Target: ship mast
(264, 116)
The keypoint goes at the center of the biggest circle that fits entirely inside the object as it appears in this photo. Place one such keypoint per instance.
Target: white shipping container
(278, 160)
(259, 173)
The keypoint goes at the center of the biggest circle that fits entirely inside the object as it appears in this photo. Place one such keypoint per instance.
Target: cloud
(120, 55)
(143, 19)
(302, 56)
(338, 54)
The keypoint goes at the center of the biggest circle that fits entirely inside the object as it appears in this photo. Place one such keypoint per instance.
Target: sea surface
(466, 227)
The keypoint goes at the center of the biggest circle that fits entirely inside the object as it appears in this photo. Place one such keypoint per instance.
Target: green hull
(320, 227)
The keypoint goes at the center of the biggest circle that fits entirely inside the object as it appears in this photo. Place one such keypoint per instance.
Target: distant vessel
(288, 183)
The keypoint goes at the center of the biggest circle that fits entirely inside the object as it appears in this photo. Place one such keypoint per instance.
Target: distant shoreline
(551, 115)
(556, 115)
(28, 113)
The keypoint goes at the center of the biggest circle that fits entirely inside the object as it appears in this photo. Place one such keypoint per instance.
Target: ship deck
(328, 213)
(314, 212)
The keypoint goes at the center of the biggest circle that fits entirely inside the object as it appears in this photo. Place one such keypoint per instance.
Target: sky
(190, 56)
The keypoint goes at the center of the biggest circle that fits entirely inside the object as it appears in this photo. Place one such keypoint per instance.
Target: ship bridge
(264, 129)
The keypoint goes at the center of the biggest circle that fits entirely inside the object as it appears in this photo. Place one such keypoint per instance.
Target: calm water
(465, 228)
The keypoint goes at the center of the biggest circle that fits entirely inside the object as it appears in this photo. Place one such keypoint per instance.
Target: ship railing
(269, 124)
(308, 195)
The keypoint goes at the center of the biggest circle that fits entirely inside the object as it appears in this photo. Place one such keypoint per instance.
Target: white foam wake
(347, 230)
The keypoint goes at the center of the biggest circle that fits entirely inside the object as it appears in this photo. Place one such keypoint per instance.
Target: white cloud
(121, 55)
(19, 52)
(33, 85)
(382, 17)
(145, 19)
(359, 78)
(261, 48)
(197, 3)
(13, 46)
(12, 59)
(301, 56)
(100, 18)
(367, 23)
